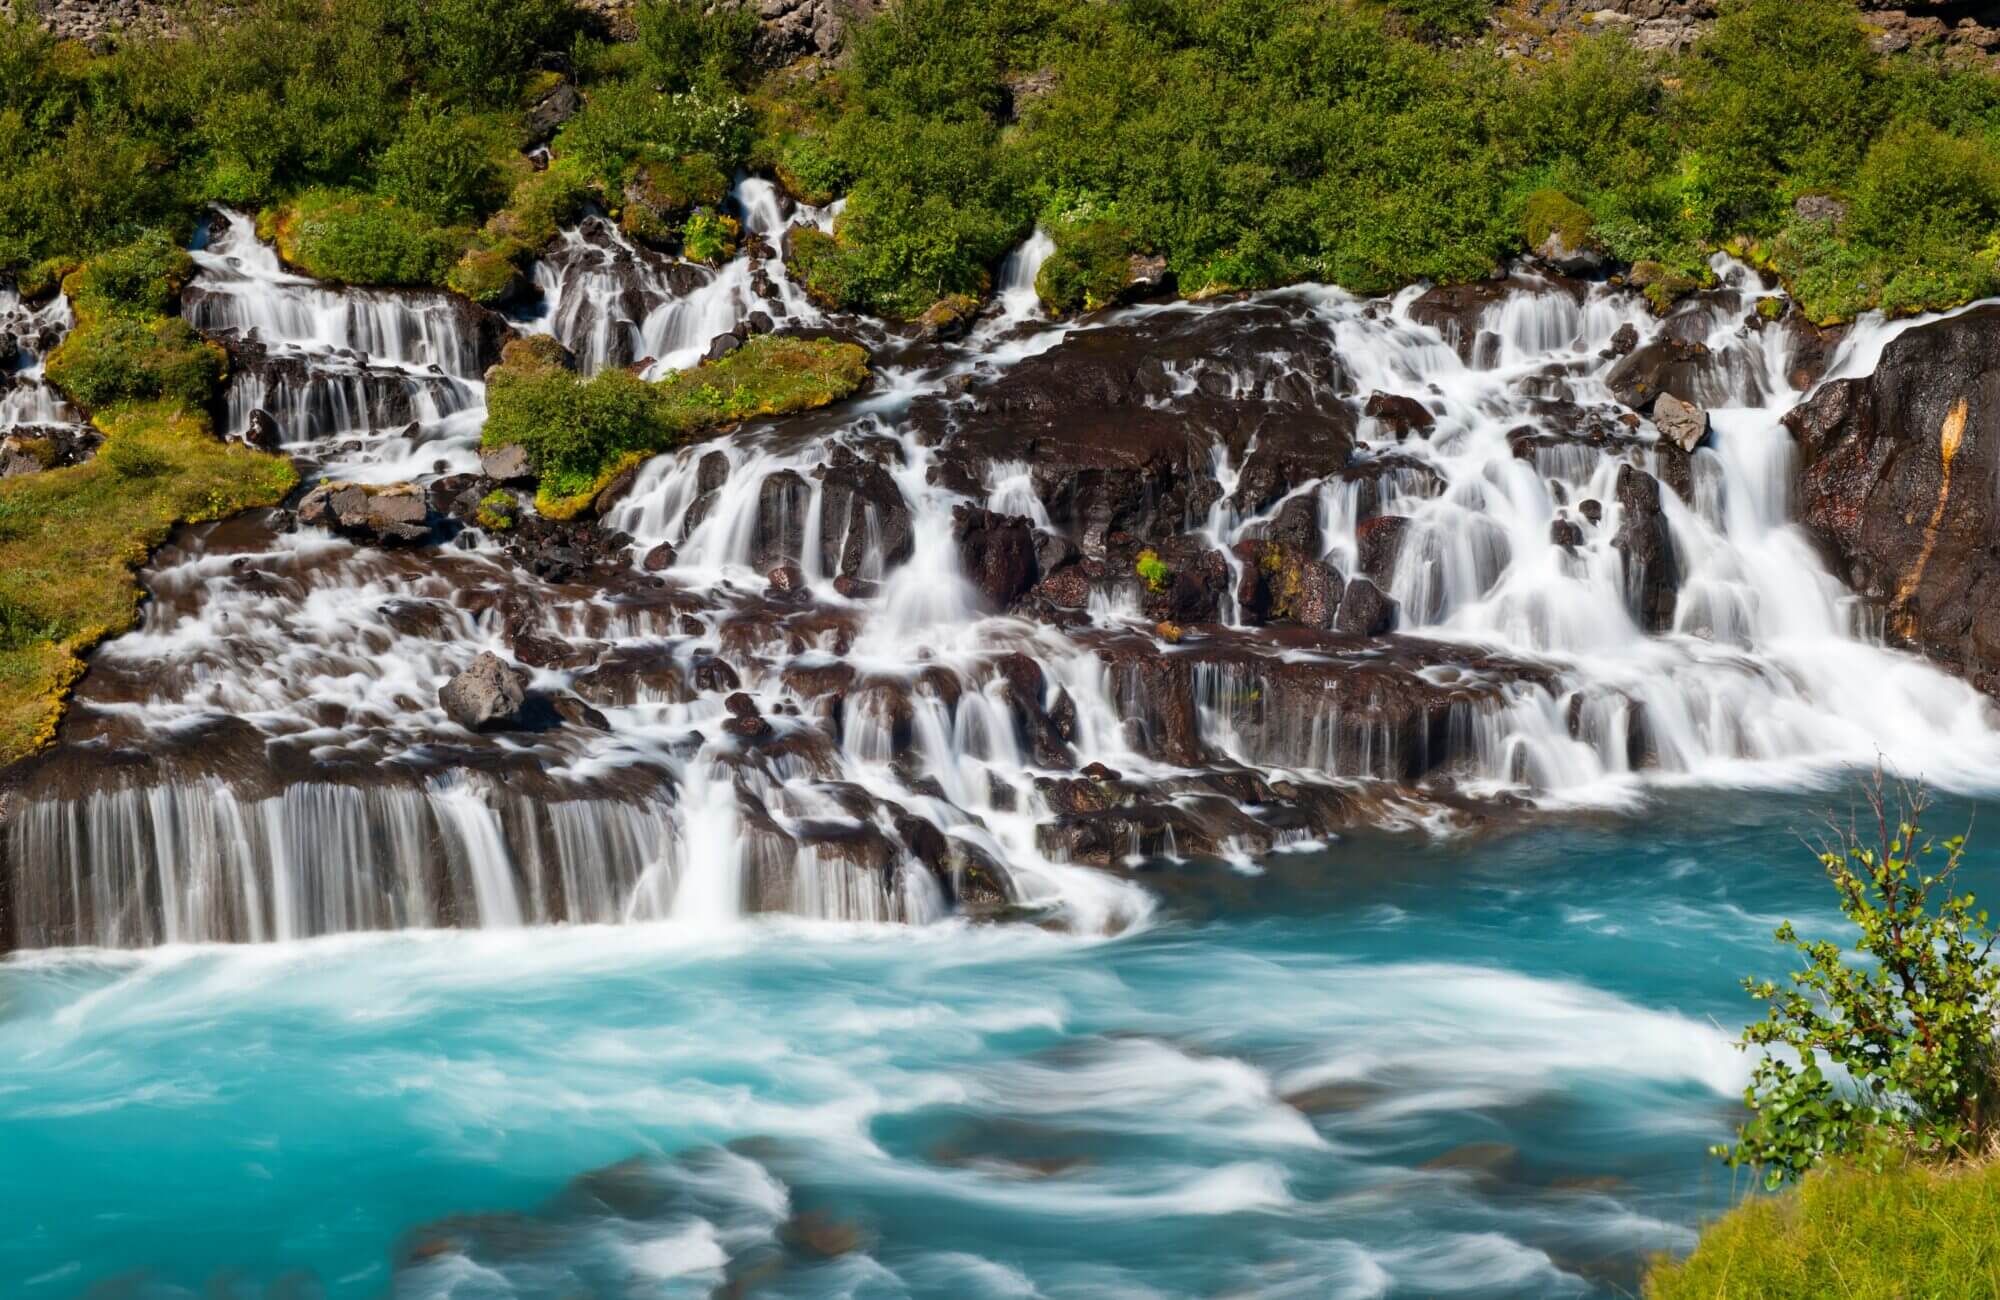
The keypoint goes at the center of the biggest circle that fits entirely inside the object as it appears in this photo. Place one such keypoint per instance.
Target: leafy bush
(478, 49)
(542, 203)
(1908, 1031)
(577, 432)
(143, 278)
(627, 122)
(441, 164)
(710, 236)
(360, 239)
(686, 43)
(490, 275)
(1445, 17)
(110, 359)
(1088, 269)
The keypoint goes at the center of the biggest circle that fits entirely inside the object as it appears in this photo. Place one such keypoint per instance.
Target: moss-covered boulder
(1091, 268)
(362, 239)
(581, 433)
(1559, 231)
(125, 347)
(659, 196)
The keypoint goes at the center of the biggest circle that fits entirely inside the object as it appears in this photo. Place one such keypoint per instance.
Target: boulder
(261, 431)
(551, 109)
(1399, 414)
(661, 557)
(721, 346)
(487, 696)
(1682, 423)
(397, 512)
(1896, 481)
(509, 464)
(861, 507)
(1364, 610)
(1646, 545)
(997, 553)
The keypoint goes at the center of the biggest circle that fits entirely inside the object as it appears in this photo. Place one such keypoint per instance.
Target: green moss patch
(71, 538)
(1551, 212)
(580, 433)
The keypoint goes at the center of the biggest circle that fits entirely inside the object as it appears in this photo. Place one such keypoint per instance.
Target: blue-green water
(1484, 1068)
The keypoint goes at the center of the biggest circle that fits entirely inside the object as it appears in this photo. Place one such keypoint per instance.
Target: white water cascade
(266, 756)
(27, 335)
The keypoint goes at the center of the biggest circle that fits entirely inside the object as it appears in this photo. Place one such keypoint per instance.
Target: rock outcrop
(1897, 482)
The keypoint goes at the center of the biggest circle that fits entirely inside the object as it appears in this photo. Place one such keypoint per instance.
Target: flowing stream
(917, 940)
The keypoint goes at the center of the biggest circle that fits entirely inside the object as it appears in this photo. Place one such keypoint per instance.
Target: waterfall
(265, 758)
(27, 336)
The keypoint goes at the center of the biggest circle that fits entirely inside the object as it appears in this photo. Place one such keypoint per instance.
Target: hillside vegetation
(1247, 142)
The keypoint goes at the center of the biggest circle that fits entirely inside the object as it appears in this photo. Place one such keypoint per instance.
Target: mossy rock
(490, 276)
(1559, 230)
(1662, 285)
(536, 352)
(659, 197)
(541, 205)
(1090, 268)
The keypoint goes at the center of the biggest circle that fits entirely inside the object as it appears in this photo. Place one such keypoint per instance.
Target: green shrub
(490, 275)
(1153, 569)
(1089, 268)
(143, 278)
(131, 458)
(442, 164)
(686, 42)
(541, 205)
(360, 239)
(1892, 1053)
(577, 432)
(572, 427)
(110, 359)
(710, 237)
(660, 195)
(1445, 17)
(478, 49)
(628, 122)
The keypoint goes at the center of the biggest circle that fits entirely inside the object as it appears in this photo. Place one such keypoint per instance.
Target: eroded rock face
(1897, 480)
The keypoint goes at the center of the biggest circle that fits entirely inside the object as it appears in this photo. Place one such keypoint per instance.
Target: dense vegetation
(70, 539)
(1248, 142)
(580, 433)
(1880, 1065)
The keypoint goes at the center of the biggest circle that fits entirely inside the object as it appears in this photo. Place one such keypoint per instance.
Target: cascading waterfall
(27, 335)
(889, 744)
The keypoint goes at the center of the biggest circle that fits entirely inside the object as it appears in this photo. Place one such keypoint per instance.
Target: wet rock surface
(1897, 481)
(1171, 582)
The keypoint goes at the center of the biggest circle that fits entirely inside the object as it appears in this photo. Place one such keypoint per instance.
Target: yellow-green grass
(1909, 1233)
(71, 538)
